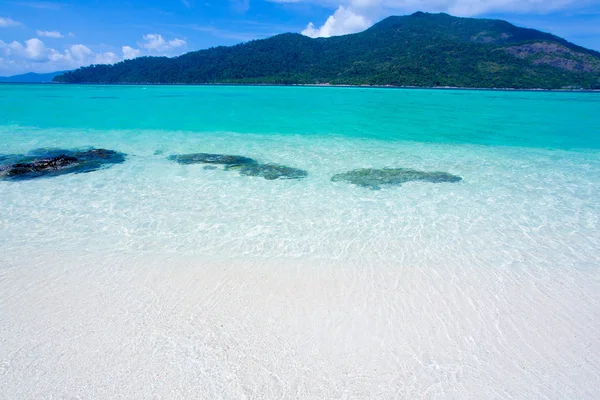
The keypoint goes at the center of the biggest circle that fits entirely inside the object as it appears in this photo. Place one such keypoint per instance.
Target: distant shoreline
(313, 85)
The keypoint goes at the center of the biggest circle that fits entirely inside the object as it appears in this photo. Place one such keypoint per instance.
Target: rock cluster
(53, 162)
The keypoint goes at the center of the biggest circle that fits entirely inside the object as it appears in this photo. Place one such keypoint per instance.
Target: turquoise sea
(157, 279)
(530, 163)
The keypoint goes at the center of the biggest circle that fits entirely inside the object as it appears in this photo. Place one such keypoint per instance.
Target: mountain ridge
(419, 50)
(31, 77)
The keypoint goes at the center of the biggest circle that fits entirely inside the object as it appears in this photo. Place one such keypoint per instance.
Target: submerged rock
(40, 166)
(270, 171)
(244, 165)
(205, 158)
(53, 162)
(374, 178)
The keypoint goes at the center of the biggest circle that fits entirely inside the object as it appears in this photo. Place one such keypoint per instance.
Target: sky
(47, 36)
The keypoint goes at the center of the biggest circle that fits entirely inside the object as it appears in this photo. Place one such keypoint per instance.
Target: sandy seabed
(96, 327)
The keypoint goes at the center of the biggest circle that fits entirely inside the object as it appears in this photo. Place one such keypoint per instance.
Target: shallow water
(528, 204)
(530, 164)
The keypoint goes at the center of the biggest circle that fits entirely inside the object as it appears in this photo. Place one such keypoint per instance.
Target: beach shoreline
(574, 90)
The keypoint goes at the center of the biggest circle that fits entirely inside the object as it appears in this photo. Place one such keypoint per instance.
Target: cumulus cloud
(33, 49)
(50, 34)
(342, 22)
(130, 52)
(356, 15)
(34, 56)
(7, 22)
(155, 43)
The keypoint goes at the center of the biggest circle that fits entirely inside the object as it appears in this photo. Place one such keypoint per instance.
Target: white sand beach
(95, 327)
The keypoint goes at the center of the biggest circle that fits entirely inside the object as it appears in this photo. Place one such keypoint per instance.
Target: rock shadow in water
(244, 165)
(205, 158)
(53, 162)
(374, 178)
(270, 171)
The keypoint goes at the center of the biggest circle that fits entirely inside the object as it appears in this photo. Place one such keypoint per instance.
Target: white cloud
(342, 22)
(175, 43)
(80, 52)
(50, 34)
(155, 43)
(79, 55)
(33, 49)
(8, 23)
(130, 52)
(106, 58)
(34, 56)
(351, 14)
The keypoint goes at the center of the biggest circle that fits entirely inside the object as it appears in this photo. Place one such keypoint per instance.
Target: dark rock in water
(53, 162)
(94, 159)
(374, 178)
(40, 166)
(245, 165)
(204, 158)
(270, 171)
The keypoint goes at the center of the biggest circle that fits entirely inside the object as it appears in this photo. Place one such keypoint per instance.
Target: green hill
(416, 50)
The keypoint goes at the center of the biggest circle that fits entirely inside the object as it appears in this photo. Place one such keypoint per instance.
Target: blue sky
(45, 36)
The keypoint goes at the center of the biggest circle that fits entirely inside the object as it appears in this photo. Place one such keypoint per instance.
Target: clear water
(152, 279)
(530, 163)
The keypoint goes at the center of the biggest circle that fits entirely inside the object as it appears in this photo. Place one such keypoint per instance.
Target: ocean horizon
(473, 273)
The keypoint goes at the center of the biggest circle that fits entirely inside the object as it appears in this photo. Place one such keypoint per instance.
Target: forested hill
(416, 50)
